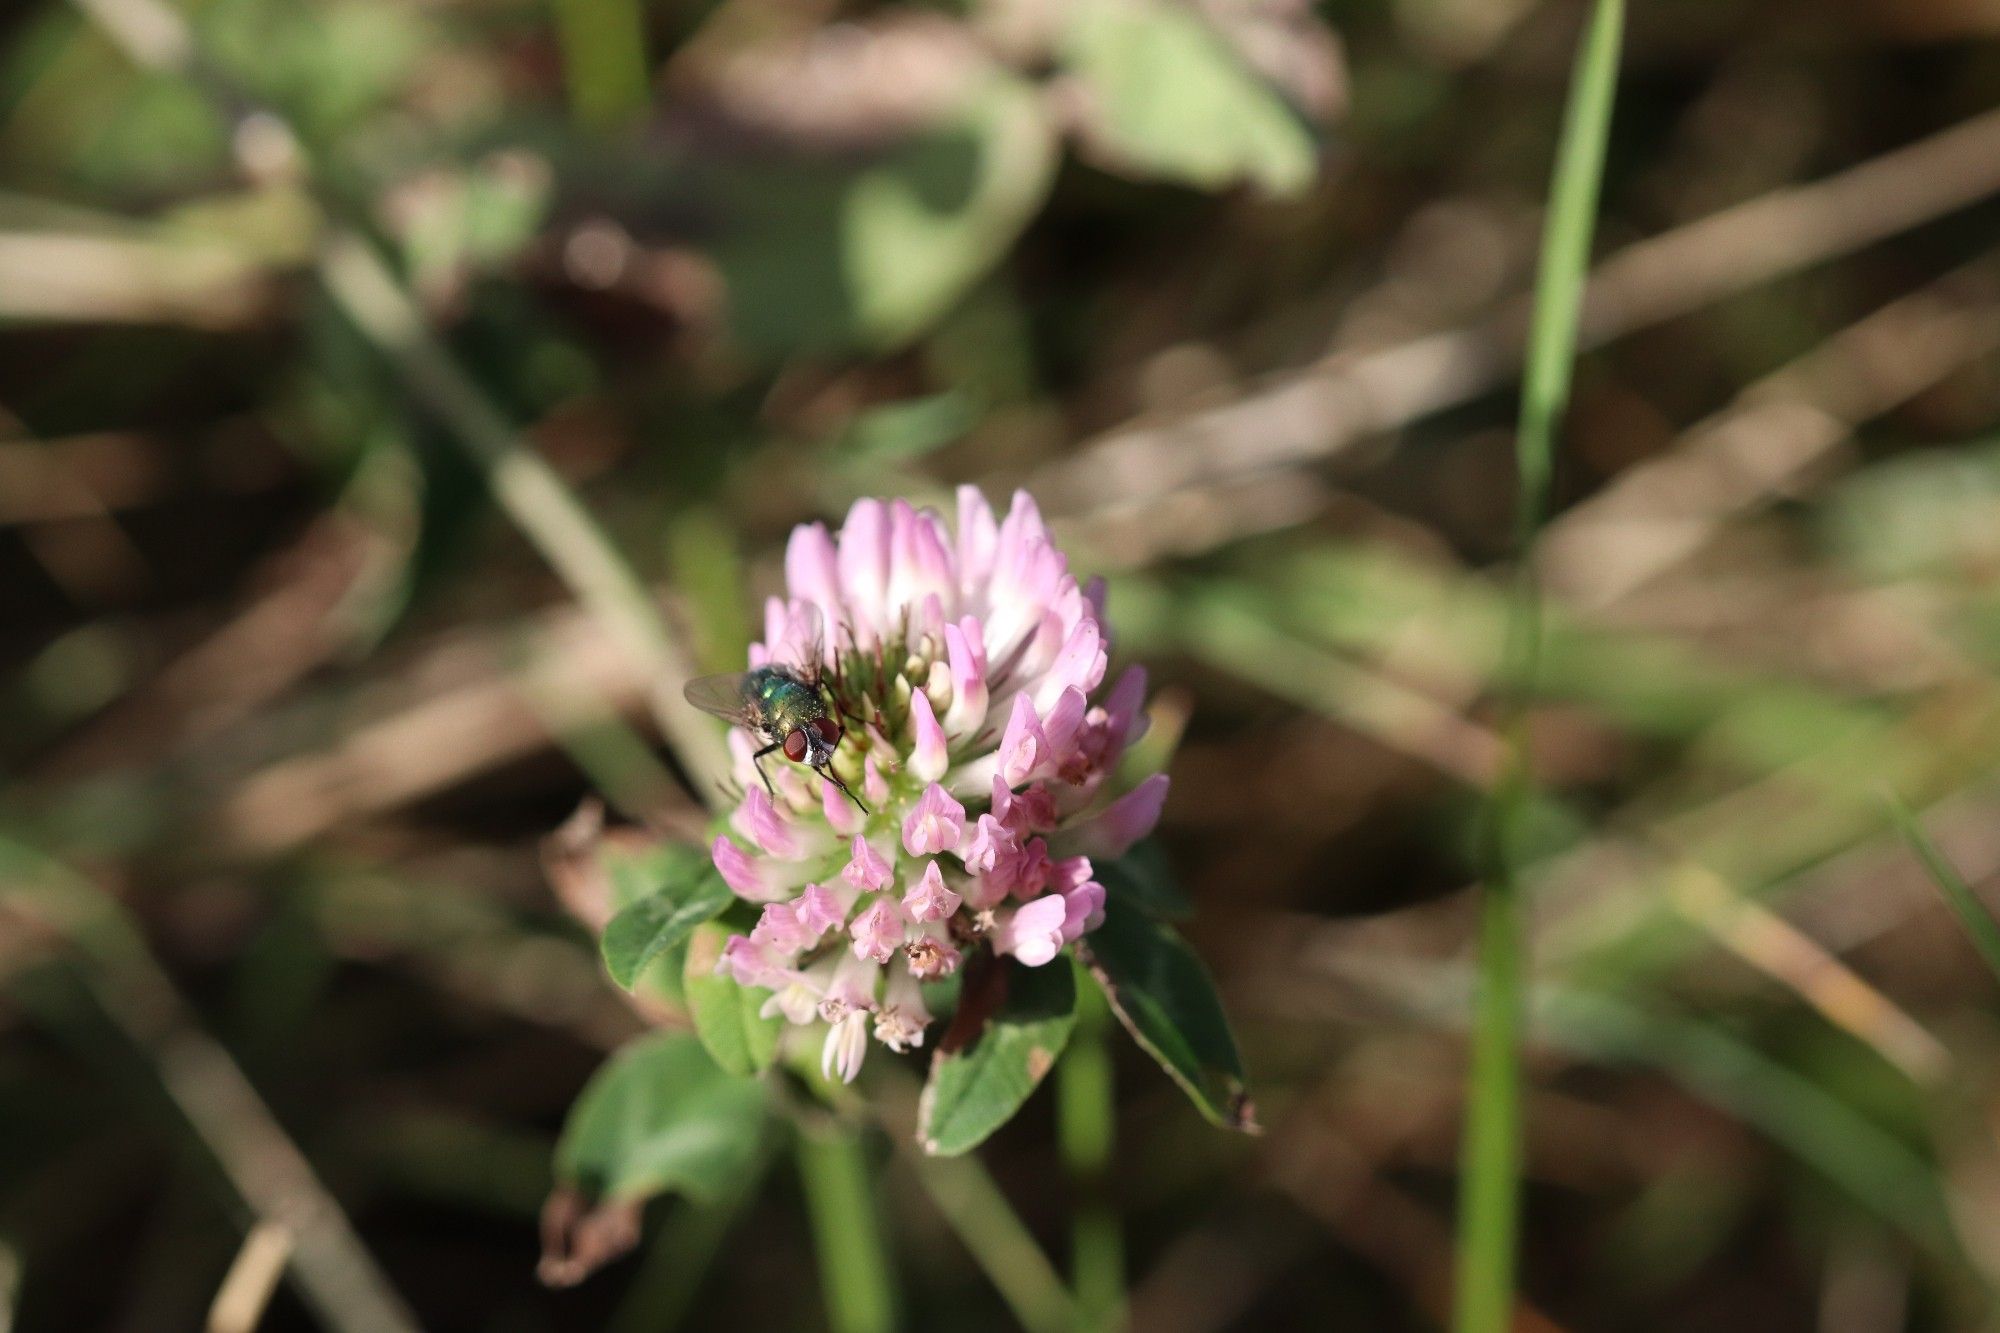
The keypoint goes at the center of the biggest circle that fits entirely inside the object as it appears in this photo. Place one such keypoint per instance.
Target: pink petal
(1024, 750)
(863, 561)
(965, 652)
(818, 911)
(1094, 593)
(742, 872)
(778, 929)
(930, 900)
(812, 569)
(1072, 872)
(929, 759)
(1079, 666)
(878, 931)
(918, 565)
(748, 963)
(935, 825)
(759, 820)
(1064, 720)
(1125, 710)
(866, 869)
(978, 535)
(991, 841)
(1126, 820)
(1033, 932)
(1083, 910)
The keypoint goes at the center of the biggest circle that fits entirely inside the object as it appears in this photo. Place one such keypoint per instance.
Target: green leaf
(649, 926)
(1165, 95)
(725, 1013)
(660, 1116)
(832, 255)
(1162, 994)
(910, 428)
(977, 1088)
(1143, 878)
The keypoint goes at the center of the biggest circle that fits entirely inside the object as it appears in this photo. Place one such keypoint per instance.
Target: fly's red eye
(829, 730)
(795, 745)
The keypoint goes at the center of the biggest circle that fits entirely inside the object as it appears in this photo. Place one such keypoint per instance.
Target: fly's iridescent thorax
(784, 704)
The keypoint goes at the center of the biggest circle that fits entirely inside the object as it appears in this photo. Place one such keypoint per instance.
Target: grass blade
(1490, 1162)
(1972, 913)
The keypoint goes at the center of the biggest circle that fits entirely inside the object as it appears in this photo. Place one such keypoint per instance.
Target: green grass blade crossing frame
(1491, 1159)
(1979, 924)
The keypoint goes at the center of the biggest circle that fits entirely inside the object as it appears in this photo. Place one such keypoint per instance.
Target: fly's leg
(757, 762)
(827, 773)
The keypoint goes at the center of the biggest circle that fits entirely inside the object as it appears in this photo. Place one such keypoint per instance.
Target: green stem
(847, 1234)
(1086, 1122)
(1491, 1161)
(979, 1214)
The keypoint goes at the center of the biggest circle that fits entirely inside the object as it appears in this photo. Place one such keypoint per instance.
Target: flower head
(962, 659)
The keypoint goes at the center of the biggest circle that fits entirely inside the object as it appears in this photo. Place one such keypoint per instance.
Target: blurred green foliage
(287, 687)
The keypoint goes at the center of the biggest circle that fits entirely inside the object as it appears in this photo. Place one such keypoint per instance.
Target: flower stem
(847, 1234)
(979, 1214)
(1491, 1158)
(1086, 1121)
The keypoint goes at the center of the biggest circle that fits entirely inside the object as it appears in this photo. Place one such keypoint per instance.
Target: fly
(784, 707)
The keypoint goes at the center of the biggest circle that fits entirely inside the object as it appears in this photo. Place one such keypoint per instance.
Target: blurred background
(305, 303)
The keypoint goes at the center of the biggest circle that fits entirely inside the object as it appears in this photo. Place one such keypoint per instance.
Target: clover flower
(962, 665)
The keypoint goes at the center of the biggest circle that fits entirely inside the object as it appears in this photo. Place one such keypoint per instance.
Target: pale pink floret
(1126, 820)
(878, 931)
(745, 960)
(866, 868)
(934, 824)
(930, 900)
(1033, 932)
(1023, 873)
(991, 841)
(758, 820)
(818, 912)
(1083, 910)
(962, 659)
(1024, 750)
(778, 928)
(753, 878)
(1030, 810)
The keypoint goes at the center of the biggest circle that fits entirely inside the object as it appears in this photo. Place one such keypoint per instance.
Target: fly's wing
(725, 697)
(803, 648)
